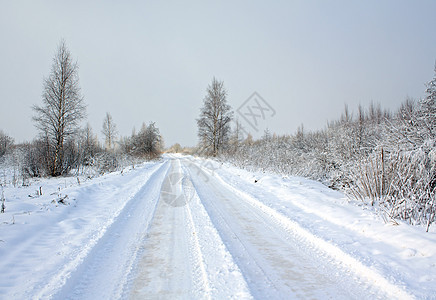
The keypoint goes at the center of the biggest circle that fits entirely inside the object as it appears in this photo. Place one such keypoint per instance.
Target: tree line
(382, 158)
(62, 144)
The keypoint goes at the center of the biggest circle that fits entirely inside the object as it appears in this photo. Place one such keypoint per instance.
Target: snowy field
(190, 228)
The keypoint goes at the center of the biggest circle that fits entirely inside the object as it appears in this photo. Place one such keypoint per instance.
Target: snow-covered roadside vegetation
(387, 160)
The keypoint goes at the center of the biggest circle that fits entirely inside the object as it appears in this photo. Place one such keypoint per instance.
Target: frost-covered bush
(402, 183)
(106, 162)
(387, 160)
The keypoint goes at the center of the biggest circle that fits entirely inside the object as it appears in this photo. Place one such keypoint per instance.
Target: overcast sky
(147, 61)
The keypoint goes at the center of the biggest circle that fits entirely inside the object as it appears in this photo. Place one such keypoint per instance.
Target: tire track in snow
(261, 282)
(224, 278)
(170, 264)
(182, 256)
(100, 270)
(365, 275)
(198, 260)
(43, 260)
(340, 257)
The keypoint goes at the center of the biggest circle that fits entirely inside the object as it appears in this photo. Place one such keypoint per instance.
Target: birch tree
(215, 117)
(110, 131)
(62, 109)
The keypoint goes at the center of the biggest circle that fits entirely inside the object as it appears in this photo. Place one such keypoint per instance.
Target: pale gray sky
(148, 61)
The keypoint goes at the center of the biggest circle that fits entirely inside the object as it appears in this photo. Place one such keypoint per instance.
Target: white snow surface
(191, 228)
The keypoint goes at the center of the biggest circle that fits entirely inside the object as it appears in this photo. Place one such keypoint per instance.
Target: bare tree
(88, 146)
(110, 131)
(5, 143)
(236, 137)
(62, 109)
(90, 143)
(215, 117)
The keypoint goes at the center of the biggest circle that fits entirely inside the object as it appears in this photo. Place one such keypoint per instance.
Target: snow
(186, 227)
(43, 242)
(400, 259)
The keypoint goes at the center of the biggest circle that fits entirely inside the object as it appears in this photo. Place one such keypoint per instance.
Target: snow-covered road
(195, 229)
